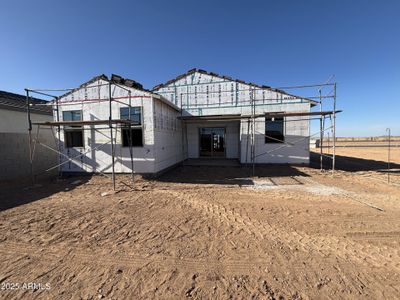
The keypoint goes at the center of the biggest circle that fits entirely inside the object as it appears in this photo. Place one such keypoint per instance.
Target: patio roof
(270, 114)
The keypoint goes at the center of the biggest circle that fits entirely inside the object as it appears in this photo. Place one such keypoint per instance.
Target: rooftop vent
(133, 83)
(116, 78)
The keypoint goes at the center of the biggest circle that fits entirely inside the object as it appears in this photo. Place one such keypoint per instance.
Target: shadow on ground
(353, 164)
(16, 193)
(228, 175)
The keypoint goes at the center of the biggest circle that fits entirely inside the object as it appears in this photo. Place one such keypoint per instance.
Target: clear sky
(56, 44)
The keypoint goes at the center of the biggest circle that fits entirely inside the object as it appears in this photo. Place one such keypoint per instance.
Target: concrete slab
(212, 162)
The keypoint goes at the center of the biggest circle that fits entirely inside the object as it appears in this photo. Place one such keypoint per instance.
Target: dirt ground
(204, 233)
(368, 153)
(364, 161)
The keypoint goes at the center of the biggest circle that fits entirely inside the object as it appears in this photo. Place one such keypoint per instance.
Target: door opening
(212, 142)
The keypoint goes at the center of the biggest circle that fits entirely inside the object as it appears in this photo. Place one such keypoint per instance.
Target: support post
(328, 141)
(388, 164)
(182, 129)
(28, 109)
(58, 136)
(111, 135)
(334, 129)
(321, 137)
(253, 129)
(247, 141)
(130, 141)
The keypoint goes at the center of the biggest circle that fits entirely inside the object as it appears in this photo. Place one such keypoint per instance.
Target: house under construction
(116, 126)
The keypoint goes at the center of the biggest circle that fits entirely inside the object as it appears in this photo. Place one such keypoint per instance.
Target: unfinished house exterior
(223, 117)
(196, 115)
(86, 146)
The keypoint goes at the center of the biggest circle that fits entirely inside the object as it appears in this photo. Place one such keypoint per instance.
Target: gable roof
(17, 102)
(119, 80)
(114, 79)
(228, 78)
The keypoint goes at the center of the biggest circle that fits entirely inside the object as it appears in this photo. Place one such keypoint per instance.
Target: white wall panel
(205, 94)
(95, 106)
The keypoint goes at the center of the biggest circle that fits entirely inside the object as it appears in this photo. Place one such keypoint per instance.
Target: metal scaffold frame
(252, 102)
(252, 119)
(112, 125)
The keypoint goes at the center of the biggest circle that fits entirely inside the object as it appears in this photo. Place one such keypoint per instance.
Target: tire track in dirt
(133, 261)
(350, 195)
(324, 246)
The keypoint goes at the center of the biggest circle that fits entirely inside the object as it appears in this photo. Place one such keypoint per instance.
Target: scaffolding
(57, 124)
(253, 118)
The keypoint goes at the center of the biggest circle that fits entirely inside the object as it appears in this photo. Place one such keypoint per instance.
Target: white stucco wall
(14, 146)
(17, 121)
